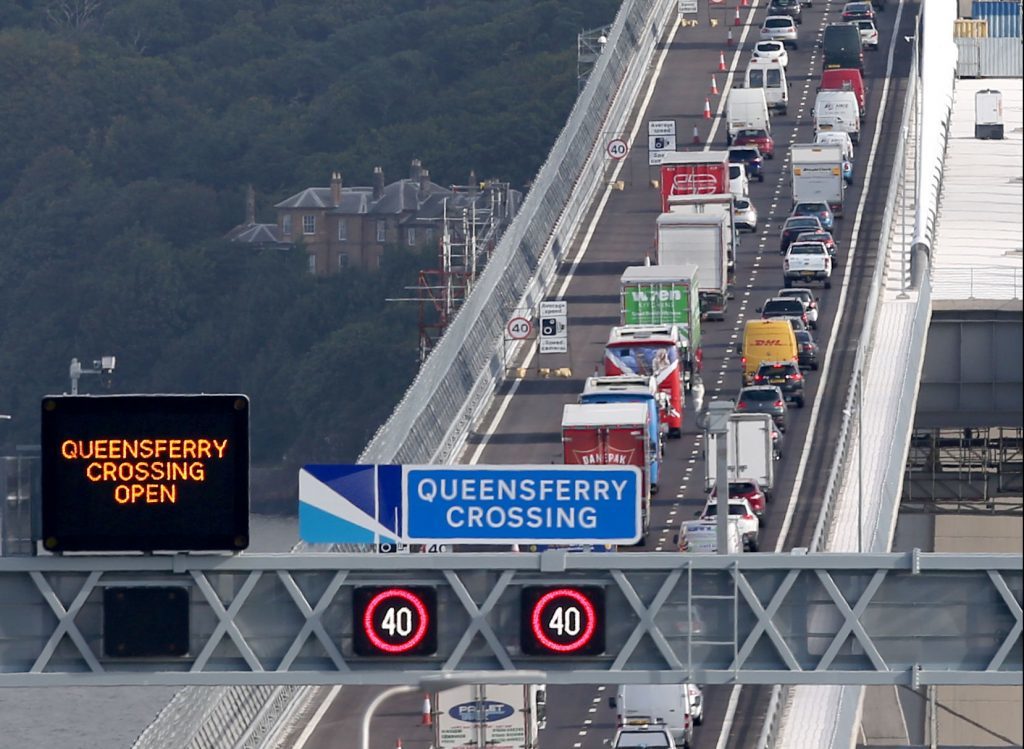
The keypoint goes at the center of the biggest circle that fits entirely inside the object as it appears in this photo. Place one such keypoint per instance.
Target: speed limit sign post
(617, 149)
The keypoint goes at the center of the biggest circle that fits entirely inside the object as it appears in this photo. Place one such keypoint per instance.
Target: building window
(428, 235)
(309, 224)
(382, 231)
(343, 261)
(380, 261)
(286, 224)
(342, 230)
(410, 237)
(311, 262)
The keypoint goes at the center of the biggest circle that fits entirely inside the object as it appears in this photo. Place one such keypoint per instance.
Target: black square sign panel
(145, 473)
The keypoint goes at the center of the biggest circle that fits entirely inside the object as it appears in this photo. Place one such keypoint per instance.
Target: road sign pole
(718, 425)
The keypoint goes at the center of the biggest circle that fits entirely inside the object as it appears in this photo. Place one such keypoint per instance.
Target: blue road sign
(521, 504)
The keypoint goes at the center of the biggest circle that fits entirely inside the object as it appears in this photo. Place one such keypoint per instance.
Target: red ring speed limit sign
(617, 149)
(519, 328)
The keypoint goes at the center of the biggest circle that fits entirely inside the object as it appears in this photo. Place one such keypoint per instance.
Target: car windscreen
(734, 509)
(743, 154)
(768, 47)
(802, 224)
(777, 23)
(804, 249)
(734, 171)
(768, 370)
(774, 77)
(741, 487)
(803, 336)
(758, 394)
(784, 306)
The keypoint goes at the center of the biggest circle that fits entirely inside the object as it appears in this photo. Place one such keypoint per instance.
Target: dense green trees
(130, 129)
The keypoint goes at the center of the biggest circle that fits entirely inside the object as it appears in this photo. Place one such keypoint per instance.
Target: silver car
(779, 29)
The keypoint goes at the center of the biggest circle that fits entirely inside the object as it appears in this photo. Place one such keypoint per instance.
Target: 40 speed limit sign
(617, 149)
(519, 328)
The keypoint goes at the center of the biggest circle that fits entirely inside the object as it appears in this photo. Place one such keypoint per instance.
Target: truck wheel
(760, 178)
(800, 402)
(752, 544)
(698, 720)
(787, 282)
(674, 434)
(828, 284)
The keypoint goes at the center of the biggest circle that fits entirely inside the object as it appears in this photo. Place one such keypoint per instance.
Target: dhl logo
(689, 183)
(767, 342)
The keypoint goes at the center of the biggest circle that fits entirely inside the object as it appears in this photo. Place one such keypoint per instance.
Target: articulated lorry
(701, 239)
(666, 295)
(817, 172)
(650, 350)
(615, 434)
(492, 715)
(693, 173)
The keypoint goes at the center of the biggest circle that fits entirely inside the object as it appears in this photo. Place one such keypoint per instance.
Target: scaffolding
(472, 223)
(589, 46)
(965, 471)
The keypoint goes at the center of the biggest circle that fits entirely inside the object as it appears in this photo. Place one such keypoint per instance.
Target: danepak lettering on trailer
(521, 504)
(607, 455)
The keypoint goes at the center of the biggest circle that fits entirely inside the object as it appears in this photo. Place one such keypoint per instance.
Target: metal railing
(986, 281)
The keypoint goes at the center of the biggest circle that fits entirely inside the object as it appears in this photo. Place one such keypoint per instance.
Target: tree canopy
(131, 130)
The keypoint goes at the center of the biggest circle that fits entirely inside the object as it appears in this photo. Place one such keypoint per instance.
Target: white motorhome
(746, 109)
(770, 76)
(837, 111)
(679, 707)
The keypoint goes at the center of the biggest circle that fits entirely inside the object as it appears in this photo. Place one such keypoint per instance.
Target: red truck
(694, 173)
(611, 434)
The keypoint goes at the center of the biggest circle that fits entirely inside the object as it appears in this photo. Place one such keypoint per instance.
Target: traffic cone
(736, 21)
(714, 86)
(696, 136)
(728, 39)
(707, 109)
(744, 3)
(428, 717)
(721, 56)
(398, 744)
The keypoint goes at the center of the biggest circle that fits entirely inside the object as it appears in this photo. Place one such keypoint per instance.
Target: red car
(760, 138)
(750, 490)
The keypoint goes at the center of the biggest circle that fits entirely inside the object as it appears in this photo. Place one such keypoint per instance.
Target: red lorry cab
(846, 79)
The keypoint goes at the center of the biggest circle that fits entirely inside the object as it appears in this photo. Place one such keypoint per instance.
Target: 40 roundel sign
(562, 620)
(394, 620)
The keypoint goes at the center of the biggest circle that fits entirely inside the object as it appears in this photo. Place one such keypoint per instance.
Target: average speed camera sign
(617, 148)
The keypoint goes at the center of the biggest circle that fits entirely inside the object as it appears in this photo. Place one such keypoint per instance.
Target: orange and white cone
(721, 56)
(398, 744)
(707, 109)
(736, 21)
(696, 136)
(428, 718)
(714, 86)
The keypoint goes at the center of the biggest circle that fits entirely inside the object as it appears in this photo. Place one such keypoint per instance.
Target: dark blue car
(751, 157)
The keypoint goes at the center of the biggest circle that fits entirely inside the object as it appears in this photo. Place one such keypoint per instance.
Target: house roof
(257, 234)
(401, 196)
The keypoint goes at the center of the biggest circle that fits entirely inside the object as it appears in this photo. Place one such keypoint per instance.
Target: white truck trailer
(817, 172)
(750, 451)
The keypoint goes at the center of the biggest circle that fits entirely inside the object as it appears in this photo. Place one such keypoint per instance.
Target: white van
(746, 109)
(701, 536)
(837, 111)
(679, 706)
(770, 76)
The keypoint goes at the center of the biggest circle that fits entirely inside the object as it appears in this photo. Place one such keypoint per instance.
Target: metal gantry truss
(907, 618)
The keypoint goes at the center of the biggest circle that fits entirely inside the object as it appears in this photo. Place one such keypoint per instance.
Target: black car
(786, 375)
(806, 349)
(795, 226)
(751, 157)
(763, 399)
(781, 306)
(791, 8)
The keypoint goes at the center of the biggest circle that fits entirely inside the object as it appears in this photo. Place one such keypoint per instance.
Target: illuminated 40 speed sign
(562, 620)
(394, 620)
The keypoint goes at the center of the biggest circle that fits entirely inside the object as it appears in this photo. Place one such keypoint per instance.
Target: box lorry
(507, 715)
(679, 707)
(708, 205)
(817, 174)
(694, 173)
(750, 450)
(746, 109)
(702, 239)
(650, 351)
(627, 389)
(666, 295)
(615, 434)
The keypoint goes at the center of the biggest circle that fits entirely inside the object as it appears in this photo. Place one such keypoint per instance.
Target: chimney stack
(335, 189)
(378, 182)
(424, 181)
(473, 186)
(415, 170)
(250, 205)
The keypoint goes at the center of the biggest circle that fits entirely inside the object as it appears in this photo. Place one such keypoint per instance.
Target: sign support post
(718, 425)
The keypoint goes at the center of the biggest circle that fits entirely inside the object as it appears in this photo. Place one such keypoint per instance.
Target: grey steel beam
(908, 618)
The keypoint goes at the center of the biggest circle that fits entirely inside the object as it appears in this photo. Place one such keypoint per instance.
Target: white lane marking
(321, 711)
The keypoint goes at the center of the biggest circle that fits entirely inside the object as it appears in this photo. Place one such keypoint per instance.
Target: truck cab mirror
(611, 703)
(675, 539)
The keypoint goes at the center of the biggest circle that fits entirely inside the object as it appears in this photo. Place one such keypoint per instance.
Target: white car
(647, 736)
(810, 302)
(779, 29)
(771, 52)
(739, 184)
(738, 508)
(868, 33)
(744, 214)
